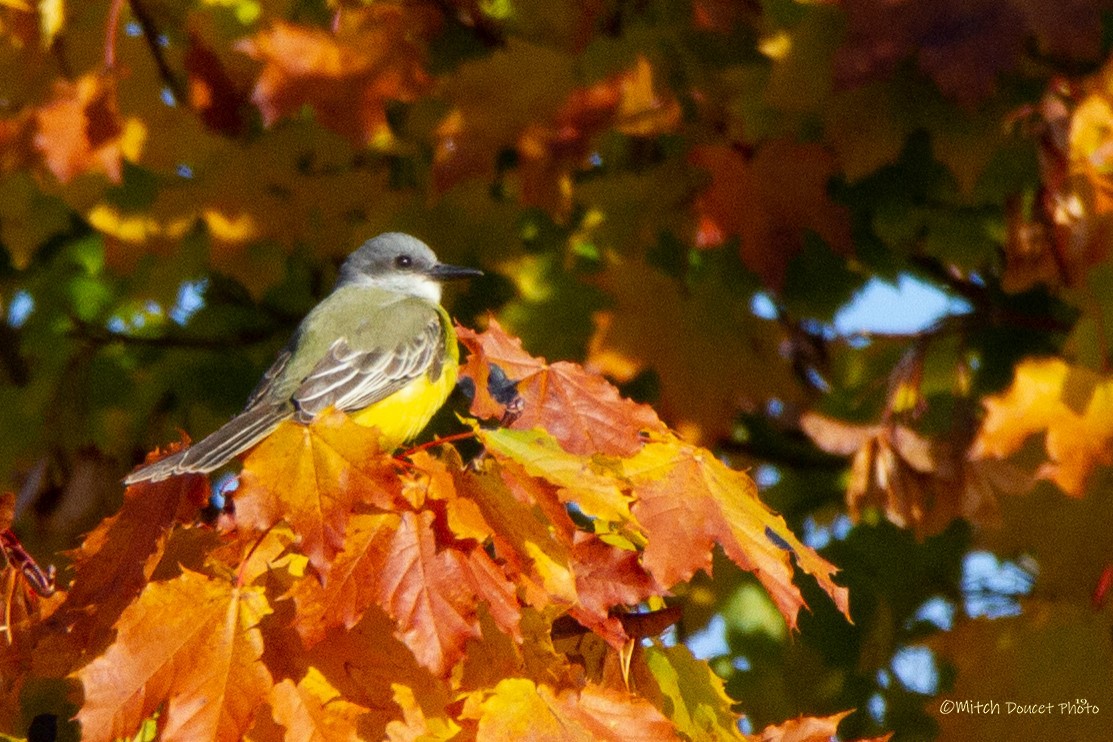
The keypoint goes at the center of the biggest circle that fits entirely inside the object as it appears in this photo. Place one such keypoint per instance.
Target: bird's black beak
(443, 272)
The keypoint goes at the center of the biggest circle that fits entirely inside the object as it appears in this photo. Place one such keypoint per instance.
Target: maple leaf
(346, 78)
(352, 586)
(584, 481)
(218, 99)
(803, 729)
(117, 558)
(550, 151)
(963, 45)
(207, 682)
(581, 410)
(607, 577)
(691, 694)
(1073, 405)
(315, 711)
(518, 708)
(432, 594)
(769, 200)
(311, 476)
(80, 130)
(522, 537)
(366, 672)
(531, 83)
(686, 501)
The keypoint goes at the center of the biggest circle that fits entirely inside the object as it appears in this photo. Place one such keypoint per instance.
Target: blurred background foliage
(699, 199)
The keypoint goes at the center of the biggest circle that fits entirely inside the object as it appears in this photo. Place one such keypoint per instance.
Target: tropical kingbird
(379, 347)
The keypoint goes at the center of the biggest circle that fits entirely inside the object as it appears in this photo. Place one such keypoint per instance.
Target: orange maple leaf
(523, 538)
(583, 411)
(768, 201)
(352, 586)
(80, 129)
(207, 681)
(686, 500)
(312, 476)
(117, 558)
(608, 577)
(433, 595)
(804, 729)
(518, 708)
(431, 591)
(313, 709)
(347, 78)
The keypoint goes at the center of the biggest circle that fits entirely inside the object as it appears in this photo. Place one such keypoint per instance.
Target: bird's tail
(214, 451)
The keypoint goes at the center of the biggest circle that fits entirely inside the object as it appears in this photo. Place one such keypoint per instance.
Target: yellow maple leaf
(1072, 405)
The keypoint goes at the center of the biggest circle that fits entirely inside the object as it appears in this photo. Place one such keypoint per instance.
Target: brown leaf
(218, 99)
(608, 577)
(804, 729)
(917, 482)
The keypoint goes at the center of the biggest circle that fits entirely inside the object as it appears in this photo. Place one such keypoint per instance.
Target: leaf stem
(437, 442)
(249, 554)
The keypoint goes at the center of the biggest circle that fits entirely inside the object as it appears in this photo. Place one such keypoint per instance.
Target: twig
(151, 35)
(114, 11)
(99, 336)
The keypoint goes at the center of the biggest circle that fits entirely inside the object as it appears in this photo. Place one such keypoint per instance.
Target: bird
(379, 347)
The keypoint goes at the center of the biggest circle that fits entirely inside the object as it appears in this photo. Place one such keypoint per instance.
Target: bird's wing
(267, 383)
(348, 378)
(215, 450)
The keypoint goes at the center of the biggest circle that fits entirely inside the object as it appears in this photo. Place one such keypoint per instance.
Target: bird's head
(398, 262)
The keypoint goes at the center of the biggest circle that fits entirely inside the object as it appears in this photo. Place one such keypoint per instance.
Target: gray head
(398, 262)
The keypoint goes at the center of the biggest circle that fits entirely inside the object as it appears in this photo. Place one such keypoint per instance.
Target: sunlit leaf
(208, 677)
(1073, 406)
(311, 477)
(580, 409)
(718, 505)
(518, 708)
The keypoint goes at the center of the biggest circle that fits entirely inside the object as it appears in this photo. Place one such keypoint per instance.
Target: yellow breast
(405, 413)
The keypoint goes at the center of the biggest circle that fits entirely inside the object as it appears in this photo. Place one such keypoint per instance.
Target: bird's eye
(403, 261)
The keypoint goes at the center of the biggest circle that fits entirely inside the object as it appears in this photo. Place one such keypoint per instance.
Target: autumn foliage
(344, 592)
(691, 209)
